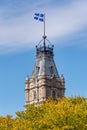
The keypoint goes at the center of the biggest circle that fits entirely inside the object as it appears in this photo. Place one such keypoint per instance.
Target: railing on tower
(46, 46)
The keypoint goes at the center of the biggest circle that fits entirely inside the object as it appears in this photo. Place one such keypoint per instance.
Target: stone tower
(45, 80)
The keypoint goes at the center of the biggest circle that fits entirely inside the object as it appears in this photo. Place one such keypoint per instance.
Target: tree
(61, 114)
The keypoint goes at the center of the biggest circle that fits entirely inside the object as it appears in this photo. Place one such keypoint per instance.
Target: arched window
(53, 94)
(34, 94)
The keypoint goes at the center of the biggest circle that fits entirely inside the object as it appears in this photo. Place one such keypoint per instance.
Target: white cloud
(68, 19)
(60, 22)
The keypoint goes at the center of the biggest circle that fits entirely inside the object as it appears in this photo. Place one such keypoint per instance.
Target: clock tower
(45, 80)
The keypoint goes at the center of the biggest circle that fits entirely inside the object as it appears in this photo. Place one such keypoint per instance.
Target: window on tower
(51, 69)
(53, 94)
(37, 70)
(34, 95)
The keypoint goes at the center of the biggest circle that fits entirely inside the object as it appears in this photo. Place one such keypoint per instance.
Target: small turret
(62, 80)
(27, 82)
(27, 78)
(27, 90)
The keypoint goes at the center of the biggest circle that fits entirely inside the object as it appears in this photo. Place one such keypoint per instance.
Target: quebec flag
(38, 16)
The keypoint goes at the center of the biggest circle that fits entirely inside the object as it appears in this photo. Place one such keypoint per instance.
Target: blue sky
(66, 28)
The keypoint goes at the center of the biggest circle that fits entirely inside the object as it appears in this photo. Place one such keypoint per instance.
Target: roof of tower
(45, 64)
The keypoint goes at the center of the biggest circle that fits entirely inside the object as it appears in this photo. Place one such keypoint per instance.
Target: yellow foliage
(61, 114)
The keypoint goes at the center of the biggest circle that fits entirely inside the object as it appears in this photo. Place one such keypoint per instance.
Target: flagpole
(44, 25)
(44, 37)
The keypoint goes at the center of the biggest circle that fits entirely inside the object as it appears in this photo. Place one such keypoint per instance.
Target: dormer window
(51, 69)
(37, 70)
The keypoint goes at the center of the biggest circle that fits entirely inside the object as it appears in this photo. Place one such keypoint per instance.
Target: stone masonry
(45, 81)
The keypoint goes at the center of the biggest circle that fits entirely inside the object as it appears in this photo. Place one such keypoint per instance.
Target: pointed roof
(44, 64)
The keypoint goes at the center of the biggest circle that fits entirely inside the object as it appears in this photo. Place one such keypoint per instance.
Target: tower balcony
(45, 47)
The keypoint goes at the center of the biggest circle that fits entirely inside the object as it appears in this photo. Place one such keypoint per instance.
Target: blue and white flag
(38, 16)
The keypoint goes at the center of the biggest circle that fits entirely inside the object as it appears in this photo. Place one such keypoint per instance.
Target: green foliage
(61, 114)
